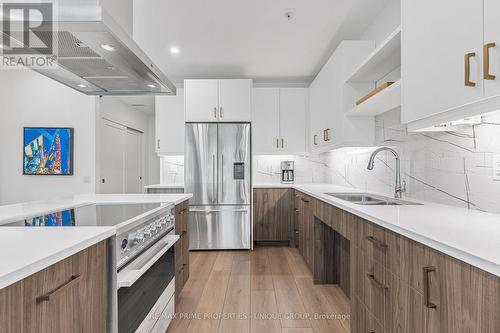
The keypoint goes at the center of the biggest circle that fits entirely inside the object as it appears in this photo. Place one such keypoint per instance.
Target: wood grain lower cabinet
(69, 296)
(273, 214)
(397, 284)
(182, 246)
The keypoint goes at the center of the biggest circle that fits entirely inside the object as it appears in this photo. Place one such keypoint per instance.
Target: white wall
(30, 99)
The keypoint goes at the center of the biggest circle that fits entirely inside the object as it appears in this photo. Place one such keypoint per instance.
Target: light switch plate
(496, 167)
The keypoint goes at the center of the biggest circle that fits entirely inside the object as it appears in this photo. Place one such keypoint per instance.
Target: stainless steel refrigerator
(218, 173)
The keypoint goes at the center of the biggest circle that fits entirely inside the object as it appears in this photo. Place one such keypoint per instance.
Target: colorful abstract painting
(48, 151)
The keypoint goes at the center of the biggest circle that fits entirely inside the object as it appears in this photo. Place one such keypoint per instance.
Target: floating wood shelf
(385, 100)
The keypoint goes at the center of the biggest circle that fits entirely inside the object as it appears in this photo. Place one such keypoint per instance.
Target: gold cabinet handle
(376, 242)
(47, 297)
(326, 136)
(277, 143)
(486, 61)
(315, 139)
(221, 113)
(282, 143)
(468, 82)
(215, 112)
(380, 285)
(427, 302)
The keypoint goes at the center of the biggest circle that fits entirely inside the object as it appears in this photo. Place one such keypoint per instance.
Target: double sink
(371, 199)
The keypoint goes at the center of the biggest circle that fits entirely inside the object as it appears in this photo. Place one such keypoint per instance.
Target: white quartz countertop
(165, 186)
(468, 235)
(20, 211)
(276, 185)
(25, 251)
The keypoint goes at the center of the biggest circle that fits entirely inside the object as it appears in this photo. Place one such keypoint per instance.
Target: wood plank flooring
(266, 290)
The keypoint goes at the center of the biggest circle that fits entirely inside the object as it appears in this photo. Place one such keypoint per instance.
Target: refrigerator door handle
(222, 178)
(214, 169)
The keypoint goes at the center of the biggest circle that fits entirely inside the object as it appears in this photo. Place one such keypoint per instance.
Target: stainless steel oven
(146, 289)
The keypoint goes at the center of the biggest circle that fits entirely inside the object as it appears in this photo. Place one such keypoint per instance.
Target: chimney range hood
(97, 56)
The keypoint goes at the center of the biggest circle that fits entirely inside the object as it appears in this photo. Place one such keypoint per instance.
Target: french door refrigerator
(218, 173)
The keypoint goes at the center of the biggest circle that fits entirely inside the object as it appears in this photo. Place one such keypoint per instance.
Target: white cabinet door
(265, 120)
(293, 113)
(437, 35)
(492, 35)
(169, 123)
(235, 100)
(201, 100)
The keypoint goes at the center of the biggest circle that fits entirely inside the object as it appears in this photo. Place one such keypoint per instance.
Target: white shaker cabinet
(329, 97)
(293, 115)
(491, 47)
(279, 120)
(235, 100)
(442, 56)
(218, 100)
(169, 123)
(265, 120)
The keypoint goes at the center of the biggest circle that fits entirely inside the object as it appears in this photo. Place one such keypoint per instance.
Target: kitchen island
(75, 259)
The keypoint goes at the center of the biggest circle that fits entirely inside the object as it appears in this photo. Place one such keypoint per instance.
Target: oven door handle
(133, 271)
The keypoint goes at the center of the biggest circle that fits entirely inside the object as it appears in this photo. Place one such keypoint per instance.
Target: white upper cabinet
(169, 123)
(265, 120)
(235, 100)
(201, 100)
(292, 119)
(491, 47)
(442, 66)
(218, 100)
(330, 98)
(279, 120)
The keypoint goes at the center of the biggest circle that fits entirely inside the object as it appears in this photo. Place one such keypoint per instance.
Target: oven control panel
(134, 241)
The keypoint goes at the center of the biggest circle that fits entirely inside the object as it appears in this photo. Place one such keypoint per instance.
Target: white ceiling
(248, 38)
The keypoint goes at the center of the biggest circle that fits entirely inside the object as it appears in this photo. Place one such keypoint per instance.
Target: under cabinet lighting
(175, 50)
(151, 86)
(81, 85)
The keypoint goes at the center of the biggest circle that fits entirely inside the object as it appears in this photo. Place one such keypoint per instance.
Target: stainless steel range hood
(84, 29)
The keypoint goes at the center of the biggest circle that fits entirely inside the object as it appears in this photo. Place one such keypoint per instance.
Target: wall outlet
(496, 167)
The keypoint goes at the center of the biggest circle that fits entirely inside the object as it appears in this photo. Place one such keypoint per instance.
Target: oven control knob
(124, 243)
(139, 237)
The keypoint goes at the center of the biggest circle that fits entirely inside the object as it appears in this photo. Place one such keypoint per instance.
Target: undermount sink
(371, 199)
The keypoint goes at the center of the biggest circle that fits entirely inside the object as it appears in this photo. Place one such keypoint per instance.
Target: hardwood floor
(266, 290)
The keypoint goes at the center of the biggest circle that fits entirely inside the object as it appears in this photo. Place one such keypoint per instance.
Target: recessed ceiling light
(81, 85)
(151, 86)
(107, 47)
(288, 15)
(175, 50)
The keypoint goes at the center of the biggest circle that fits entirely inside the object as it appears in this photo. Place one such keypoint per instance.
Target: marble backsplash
(453, 168)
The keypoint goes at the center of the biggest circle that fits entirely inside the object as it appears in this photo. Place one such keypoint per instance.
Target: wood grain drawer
(362, 321)
(369, 283)
(332, 216)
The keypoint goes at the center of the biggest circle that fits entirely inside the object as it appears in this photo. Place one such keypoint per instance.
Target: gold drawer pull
(468, 82)
(376, 242)
(427, 292)
(371, 277)
(486, 61)
(47, 297)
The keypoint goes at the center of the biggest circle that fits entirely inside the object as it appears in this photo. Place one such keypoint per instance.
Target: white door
(492, 35)
(265, 120)
(235, 100)
(201, 100)
(437, 36)
(133, 161)
(112, 157)
(169, 123)
(293, 112)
